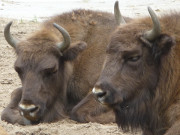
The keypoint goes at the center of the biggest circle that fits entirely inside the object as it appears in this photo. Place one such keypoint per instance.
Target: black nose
(100, 94)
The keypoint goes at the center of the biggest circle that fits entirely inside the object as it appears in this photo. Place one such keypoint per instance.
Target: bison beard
(139, 113)
(138, 110)
(135, 111)
(140, 78)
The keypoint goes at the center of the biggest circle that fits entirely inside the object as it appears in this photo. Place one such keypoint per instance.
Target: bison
(58, 65)
(140, 79)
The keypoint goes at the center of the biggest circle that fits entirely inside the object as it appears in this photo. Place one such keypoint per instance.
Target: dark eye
(133, 59)
(18, 70)
(49, 71)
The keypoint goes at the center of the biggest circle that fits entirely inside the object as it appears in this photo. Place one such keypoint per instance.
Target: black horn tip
(116, 6)
(66, 43)
(8, 25)
(118, 17)
(151, 11)
(59, 27)
(11, 41)
(149, 8)
(156, 30)
(55, 25)
(117, 3)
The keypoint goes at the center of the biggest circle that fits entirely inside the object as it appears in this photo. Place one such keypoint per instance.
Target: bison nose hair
(28, 109)
(100, 94)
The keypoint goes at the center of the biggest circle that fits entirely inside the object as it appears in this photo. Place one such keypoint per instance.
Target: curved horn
(117, 14)
(12, 41)
(67, 40)
(152, 34)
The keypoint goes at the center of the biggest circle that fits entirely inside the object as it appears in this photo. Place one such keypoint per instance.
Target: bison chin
(131, 110)
(136, 113)
(43, 112)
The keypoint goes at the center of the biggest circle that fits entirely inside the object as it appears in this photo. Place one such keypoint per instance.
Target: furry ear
(162, 45)
(73, 51)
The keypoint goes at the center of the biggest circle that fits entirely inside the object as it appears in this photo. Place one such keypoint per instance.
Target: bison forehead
(36, 50)
(123, 42)
(41, 41)
(131, 31)
(122, 47)
(35, 53)
(37, 63)
(126, 37)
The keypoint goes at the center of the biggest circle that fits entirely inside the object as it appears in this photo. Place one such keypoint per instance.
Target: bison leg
(11, 113)
(90, 110)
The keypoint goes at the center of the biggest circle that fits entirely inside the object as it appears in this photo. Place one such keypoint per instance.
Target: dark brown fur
(142, 84)
(57, 83)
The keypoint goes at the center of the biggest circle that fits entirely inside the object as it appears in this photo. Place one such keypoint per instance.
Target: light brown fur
(74, 76)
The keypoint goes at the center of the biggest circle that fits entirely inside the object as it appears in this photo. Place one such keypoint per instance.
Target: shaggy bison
(58, 65)
(140, 79)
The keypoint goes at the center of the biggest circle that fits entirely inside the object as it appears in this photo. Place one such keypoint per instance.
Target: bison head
(131, 71)
(44, 66)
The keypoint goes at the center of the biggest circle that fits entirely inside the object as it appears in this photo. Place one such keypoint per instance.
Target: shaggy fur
(141, 83)
(56, 82)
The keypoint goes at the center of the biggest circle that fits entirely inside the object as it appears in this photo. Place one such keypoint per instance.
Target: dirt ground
(9, 81)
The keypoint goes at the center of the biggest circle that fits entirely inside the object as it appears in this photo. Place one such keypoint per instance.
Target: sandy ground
(9, 81)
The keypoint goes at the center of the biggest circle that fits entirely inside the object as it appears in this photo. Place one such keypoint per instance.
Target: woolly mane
(153, 109)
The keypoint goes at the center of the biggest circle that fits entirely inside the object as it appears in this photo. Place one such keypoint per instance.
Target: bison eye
(49, 71)
(18, 70)
(133, 59)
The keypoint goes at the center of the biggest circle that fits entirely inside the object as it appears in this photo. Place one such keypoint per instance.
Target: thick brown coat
(70, 76)
(142, 83)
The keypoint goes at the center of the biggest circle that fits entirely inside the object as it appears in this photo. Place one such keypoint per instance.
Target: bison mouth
(30, 112)
(107, 95)
(113, 99)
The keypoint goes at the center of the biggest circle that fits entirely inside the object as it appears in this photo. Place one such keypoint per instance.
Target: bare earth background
(26, 16)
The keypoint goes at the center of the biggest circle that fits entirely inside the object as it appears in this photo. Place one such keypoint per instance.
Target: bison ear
(162, 45)
(73, 51)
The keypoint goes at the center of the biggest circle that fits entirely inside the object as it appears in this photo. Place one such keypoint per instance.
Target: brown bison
(58, 66)
(140, 79)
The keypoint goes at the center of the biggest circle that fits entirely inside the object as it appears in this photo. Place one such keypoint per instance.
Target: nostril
(33, 109)
(101, 94)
